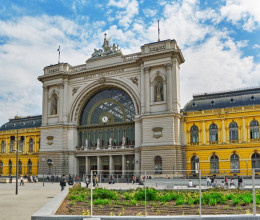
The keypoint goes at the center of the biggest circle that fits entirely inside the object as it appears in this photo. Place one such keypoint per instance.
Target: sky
(219, 40)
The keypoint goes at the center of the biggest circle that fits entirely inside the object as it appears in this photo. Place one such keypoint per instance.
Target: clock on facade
(105, 119)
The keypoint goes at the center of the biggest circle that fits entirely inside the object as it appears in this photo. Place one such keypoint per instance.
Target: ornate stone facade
(116, 113)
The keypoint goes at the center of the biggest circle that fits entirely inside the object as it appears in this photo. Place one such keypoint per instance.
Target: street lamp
(43, 160)
(16, 184)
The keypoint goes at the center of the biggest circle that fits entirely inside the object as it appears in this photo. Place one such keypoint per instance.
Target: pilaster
(147, 89)
(168, 67)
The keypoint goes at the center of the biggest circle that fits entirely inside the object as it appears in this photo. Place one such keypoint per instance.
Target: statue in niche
(110, 142)
(123, 141)
(98, 143)
(54, 105)
(158, 92)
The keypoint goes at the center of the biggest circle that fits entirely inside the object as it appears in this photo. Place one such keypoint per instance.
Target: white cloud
(149, 12)
(244, 11)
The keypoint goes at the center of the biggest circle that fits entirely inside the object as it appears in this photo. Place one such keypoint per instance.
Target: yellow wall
(224, 148)
(24, 156)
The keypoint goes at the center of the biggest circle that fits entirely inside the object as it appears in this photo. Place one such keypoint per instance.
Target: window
(158, 165)
(21, 144)
(10, 166)
(213, 133)
(54, 104)
(195, 164)
(194, 134)
(256, 162)
(12, 144)
(29, 167)
(49, 163)
(214, 163)
(234, 163)
(233, 131)
(1, 167)
(158, 89)
(254, 130)
(31, 145)
(20, 167)
(2, 146)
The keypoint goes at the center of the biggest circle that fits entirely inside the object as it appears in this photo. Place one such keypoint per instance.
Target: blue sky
(219, 40)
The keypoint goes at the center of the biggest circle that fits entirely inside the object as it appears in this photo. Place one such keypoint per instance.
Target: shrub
(105, 194)
(151, 194)
(102, 202)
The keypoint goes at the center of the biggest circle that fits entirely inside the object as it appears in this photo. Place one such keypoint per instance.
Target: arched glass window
(254, 130)
(12, 144)
(158, 165)
(2, 146)
(233, 131)
(256, 162)
(10, 166)
(21, 144)
(31, 145)
(1, 167)
(213, 133)
(194, 134)
(20, 167)
(234, 163)
(29, 167)
(107, 119)
(195, 164)
(214, 164)
(50, 164)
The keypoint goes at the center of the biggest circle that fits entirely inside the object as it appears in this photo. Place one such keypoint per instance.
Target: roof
(225, 99)
(22, 122)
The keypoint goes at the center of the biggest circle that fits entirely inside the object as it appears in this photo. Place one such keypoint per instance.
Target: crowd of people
(212, 182)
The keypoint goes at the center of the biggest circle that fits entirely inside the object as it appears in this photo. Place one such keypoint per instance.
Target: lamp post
(16, 184)
(43, 160)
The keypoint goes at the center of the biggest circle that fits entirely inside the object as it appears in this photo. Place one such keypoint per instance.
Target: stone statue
(158, 92)
(54, 105)
(98, 143)
(110, 142)
(123, 141)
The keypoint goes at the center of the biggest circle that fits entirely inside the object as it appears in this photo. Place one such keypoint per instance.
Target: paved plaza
(31, 197)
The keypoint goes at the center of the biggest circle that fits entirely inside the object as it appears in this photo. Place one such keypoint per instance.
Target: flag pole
(158, 31)
(59, 54)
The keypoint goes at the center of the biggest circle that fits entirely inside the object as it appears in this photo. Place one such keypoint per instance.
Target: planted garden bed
(170, 202)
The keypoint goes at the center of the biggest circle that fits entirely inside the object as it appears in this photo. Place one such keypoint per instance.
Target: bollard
(91, 194)
(253, 188)
(200, 189)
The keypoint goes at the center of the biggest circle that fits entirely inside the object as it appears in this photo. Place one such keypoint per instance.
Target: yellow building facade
(28, 146)
(222, 133)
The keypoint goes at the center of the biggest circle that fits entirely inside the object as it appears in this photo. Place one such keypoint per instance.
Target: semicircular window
(107, 119)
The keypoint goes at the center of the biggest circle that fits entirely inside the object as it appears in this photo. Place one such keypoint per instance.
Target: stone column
(147, 89)
(168, 67)
(203, 132)
(111, 169)
(98, 164)
(142, 90)
(6, 146)
(35, 144)
(65, 98)
(60, 104)
(123, 164)
(87, 165)
(243, 130)
(223, 131)
(45, 106)
(175, 73)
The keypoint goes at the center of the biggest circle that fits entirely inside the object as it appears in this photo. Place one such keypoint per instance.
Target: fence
(173, 193)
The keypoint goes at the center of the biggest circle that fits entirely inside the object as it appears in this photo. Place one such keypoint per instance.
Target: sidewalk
(31, 197)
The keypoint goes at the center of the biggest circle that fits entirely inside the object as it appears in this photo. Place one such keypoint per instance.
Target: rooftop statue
(107, 49)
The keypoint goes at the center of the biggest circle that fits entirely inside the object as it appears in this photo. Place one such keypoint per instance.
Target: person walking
(21, 181)
(133, 179)
(208, 182)
(87, 181)
(63, 182)
(240, 181)
(96, 180)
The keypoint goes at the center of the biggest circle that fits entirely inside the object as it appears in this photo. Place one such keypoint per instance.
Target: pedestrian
(240, 181)
(226, 182)
(96, 180)
(77, 178)
(232, 182)
(112, 179)
(87, 181)
(190, 184)
(10, 179)
(133, 179)
(208, 182)
(63, 182)
(21, 181)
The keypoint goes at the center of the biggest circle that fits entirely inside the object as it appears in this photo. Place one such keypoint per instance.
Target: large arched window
(107, 120)
(1, 167)
(158, 89)
(50, 165)
(254, 130)
(158, 165)
(54, 104)
(2, 146)
(256, 162)
(194, 134)
(29, 167)
(233, 131)
(12, 144)
(31, 145)
(195, 164)
(21, 144)
(234, 163)
(214, 164)
(20, 167)
(10, 166)
(213, 133)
